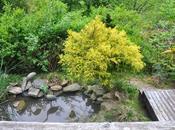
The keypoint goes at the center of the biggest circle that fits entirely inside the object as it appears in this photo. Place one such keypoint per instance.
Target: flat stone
(15, 90)
(33, 92)
(72, 88)
(30, 76)
(64, 83)
(56, 88)
(50, 97)
(38, 83)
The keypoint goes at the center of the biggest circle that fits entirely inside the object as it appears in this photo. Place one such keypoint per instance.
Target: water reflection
(41, 110)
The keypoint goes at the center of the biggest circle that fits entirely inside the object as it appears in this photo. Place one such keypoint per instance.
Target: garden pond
(66, 108)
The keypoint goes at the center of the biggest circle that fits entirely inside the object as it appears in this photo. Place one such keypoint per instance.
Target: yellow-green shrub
(90, 54)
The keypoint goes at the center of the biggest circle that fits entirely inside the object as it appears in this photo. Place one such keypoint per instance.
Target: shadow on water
(42, 110)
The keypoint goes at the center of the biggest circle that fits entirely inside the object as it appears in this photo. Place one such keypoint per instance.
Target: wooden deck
(160, 104)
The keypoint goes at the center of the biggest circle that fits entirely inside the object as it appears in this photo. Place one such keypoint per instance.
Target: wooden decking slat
(166, 104)
(153, 105)
(161, 103)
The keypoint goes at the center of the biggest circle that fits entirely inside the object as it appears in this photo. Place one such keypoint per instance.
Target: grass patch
(4, 82)
(127, 110)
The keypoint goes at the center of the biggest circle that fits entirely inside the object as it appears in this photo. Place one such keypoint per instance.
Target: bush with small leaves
(96, 51)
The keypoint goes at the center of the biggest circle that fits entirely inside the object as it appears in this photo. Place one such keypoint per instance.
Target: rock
(117, 96)
(72, 88)
(20, 105)
(99, 91)
(41, 94)
(13, 84)
(100, 99)
(64, 83)
(56, 88)
(38, 83)
(90, 89)
(72, 114)
(24, 83)
(93, 97)
(57, 93)
(108, 96)
(15, 90)
(33, 92)
(29, 85)
(30, 76)
(50, 97)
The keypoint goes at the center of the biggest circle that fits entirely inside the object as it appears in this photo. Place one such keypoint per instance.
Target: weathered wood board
(88, 126)
(160, 104)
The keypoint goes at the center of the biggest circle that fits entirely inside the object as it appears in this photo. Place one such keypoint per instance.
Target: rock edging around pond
(37, 88)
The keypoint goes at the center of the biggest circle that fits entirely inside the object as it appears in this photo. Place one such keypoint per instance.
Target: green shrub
(162, 39)
(33, 39)
(93, 52)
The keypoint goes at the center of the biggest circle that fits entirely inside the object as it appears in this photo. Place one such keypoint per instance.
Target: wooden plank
(166, 105)
(161, 103)
(150, 104)
(88, 126)
(160, 106)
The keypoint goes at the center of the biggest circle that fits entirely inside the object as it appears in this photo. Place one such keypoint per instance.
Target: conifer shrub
(96, 51)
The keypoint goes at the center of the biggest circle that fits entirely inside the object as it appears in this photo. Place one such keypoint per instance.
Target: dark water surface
(42, 110)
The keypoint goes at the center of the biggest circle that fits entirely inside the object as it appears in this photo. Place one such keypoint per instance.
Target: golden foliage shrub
(90, 53)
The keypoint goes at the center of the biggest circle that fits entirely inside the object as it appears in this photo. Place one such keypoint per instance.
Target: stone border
(5, 125)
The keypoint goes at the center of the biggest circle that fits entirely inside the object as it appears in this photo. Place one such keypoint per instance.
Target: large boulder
(15, 90)
(72, 88)
(33, 92)
(38, 83)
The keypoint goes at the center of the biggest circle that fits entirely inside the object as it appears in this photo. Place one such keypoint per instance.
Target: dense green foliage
(32, 32)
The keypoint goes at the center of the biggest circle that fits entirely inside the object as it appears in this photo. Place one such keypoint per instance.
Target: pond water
(66, 108)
